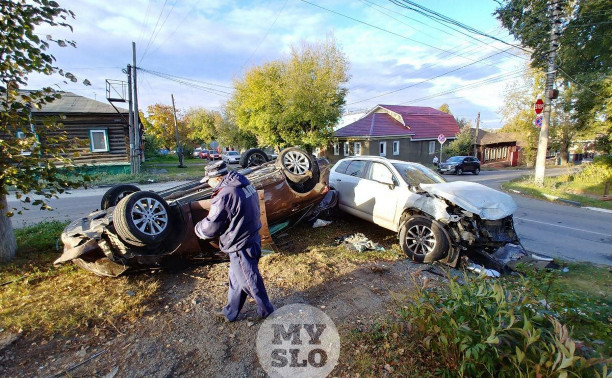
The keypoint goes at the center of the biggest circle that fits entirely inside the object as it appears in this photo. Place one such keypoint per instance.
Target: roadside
(159, 322)
(582, 188)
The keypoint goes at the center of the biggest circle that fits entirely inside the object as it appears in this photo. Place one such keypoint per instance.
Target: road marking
(556, 225)
(599, 209)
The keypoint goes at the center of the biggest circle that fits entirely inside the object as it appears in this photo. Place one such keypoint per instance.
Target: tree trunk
(8, 244)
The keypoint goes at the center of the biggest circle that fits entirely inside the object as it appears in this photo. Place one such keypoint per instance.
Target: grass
(157, 169)
(36, 296)
(564, 187)
(314, 257)
(414, 342)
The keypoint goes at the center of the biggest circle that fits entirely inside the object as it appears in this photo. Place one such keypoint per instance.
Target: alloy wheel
(420, 240)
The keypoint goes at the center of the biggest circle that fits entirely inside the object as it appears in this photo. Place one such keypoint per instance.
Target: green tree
(295, 101)
(33, 157)
(445, 108)
(584, 54)
(201, 125)
(160, 124)
(460, 146)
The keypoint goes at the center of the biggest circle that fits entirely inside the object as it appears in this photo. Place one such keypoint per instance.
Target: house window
(98, 140)
(382, 148)
(357, 148)
(346, 148)
(396, 147)
(432, 147)
(505, 152)
(336, 149)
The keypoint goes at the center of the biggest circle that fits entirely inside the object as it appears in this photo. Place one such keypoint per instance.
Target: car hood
(476, 198)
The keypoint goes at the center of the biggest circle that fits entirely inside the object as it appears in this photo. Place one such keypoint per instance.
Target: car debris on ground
(359, 242)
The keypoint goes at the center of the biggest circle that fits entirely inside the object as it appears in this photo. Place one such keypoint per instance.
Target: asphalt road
(571, 233)
(552, 229)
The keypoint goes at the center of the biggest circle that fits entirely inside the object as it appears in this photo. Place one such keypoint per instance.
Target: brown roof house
(102, 129)
(498, 148)
(406, 133)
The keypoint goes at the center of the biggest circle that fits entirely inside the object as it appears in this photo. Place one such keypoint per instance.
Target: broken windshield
(415, 174)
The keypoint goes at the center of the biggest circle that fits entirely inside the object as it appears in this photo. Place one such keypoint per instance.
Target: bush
(151, 146)
(483, 328)
(597, 172)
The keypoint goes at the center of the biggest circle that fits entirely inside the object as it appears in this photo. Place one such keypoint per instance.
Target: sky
(397, 56)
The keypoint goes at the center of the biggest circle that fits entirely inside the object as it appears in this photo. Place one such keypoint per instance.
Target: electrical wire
(266, 35)
(217, 92)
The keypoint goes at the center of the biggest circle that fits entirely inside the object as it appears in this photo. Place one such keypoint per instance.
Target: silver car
(436, 220)
(231, 157)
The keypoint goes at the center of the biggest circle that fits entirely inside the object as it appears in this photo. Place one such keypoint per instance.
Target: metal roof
(415, 121)
(71, 103)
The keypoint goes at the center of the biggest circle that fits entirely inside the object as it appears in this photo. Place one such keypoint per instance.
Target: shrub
(597, 172)
(483, 328)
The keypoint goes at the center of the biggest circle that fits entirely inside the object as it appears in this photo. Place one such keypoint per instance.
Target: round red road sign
(539, 106)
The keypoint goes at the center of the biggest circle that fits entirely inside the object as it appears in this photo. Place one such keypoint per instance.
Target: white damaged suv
(435, 219)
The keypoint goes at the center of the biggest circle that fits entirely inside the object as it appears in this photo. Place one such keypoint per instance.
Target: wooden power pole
(550, 81)
(137, 149)
(476, 135)
(179, 149)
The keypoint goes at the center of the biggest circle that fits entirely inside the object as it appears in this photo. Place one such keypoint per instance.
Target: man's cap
(215, 170)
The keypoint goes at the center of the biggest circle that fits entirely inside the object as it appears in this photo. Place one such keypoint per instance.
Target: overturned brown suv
(143, 229)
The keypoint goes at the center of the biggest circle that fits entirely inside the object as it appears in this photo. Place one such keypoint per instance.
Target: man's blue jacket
(233, 216)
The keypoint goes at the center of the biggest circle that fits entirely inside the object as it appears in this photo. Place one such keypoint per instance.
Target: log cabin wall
(80, 125)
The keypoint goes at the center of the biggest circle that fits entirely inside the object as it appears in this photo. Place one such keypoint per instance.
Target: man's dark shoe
(220, 316)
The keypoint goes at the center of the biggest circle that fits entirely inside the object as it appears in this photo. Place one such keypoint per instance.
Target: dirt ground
(184, 339)
(179, 336)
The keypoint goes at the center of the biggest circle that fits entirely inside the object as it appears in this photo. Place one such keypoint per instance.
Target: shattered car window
(416, 174)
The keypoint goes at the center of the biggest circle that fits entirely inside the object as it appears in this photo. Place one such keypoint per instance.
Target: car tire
(297, 165)
(142, 218)
(423, 240)
(459, 171)
(117, 193)
(253, 158)
(476, 171)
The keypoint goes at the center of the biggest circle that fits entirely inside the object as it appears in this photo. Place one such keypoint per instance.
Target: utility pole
(548, 92)
(131, 117)
(136, 115)
(179, 149)
(476, 135)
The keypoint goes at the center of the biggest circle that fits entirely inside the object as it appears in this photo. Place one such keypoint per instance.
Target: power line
(426, 80)
(217, 92)
(266, 35)
(388, 31)
(188, 79)
(436, 16)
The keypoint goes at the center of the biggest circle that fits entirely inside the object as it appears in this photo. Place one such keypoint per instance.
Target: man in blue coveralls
(234, 218)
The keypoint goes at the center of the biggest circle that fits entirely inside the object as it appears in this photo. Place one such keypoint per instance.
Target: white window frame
(432, 147)
(396, 146)
(357, 147)
(91, 140)
(382, 149)
(346, 148)
(336, 149)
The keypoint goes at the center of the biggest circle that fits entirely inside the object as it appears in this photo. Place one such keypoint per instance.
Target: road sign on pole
(441, 138)
(538, 121)
(538, 106)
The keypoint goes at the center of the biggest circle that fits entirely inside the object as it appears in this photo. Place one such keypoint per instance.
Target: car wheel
(297, 165)
(142, 218)
(459, 171)
(115, 194)
(476, 171)
(423, 240)
(253, 157)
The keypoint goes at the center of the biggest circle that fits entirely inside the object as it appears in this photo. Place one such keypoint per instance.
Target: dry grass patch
(314, 257)
(36, 296)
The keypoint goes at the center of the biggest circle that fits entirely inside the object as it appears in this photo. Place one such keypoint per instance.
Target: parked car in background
(231, 157)
(196, 152)
(203, 154)
(460, 164)
(436, 220)
(213, 155)
(143, 229)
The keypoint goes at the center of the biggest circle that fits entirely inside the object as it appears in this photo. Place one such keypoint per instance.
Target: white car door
(377, 195)
(344, 179)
